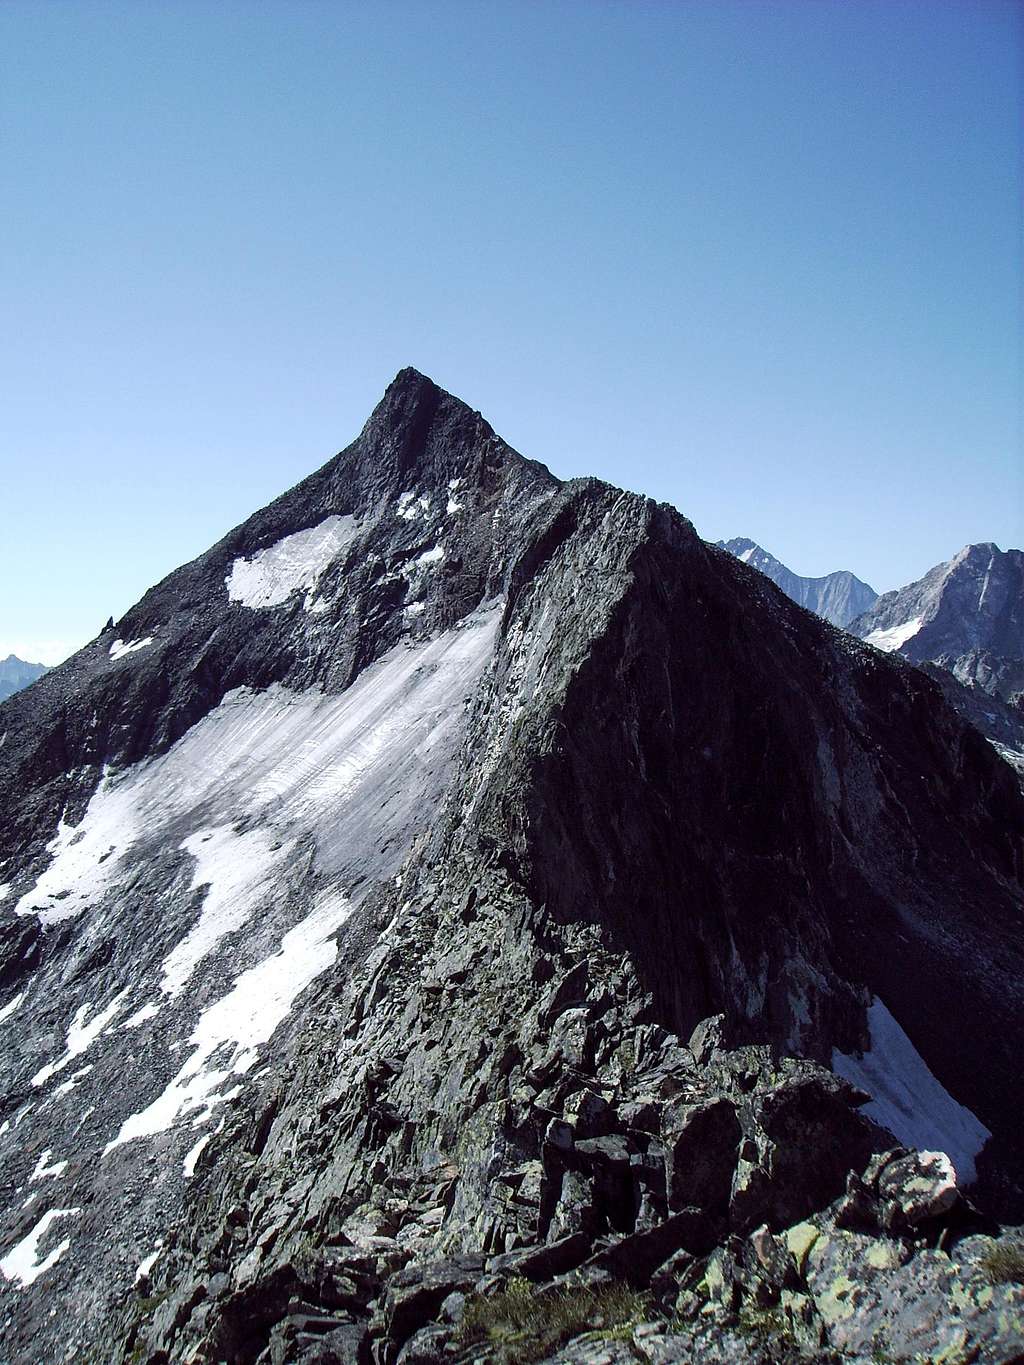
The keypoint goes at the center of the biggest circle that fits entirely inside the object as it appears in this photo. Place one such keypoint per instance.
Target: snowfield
(22, 1263)
(908, 1099)
(287, 761)
(269, 791)
(120, 648)
(270, 577)
(894, 637)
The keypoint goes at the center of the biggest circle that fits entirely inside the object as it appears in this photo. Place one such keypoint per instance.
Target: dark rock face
(15, 674)
(837, 597)
(1002, 723)
(361, 882)
(966, 615)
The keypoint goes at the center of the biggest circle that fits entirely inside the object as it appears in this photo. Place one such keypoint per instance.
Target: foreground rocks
(648, 1201)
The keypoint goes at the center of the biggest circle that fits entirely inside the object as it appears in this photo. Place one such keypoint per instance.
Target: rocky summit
(463, 916)
(966, 615)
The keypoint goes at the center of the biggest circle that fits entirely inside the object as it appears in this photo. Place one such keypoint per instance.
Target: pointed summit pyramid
(359, 887)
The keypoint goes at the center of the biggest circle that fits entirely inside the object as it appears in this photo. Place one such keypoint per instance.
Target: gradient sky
(761, 260)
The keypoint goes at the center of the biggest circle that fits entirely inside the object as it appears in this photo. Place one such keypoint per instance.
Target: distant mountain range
(838, 597)
(15, 674)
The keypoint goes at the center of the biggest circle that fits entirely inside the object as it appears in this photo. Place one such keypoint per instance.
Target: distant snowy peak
(15, 674)
(838, 596)
(966, 615)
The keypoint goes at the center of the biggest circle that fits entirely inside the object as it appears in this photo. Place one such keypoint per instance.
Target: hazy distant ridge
(15, 674)
(838, 596)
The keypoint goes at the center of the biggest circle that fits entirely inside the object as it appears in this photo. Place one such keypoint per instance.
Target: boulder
(916, 1187)
(701, 1140)
(415, 1295)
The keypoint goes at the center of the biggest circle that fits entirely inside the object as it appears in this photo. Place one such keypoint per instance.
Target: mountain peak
(410, 388)
(17, 673)
(966, 614)
(419, 438)
(837, 596)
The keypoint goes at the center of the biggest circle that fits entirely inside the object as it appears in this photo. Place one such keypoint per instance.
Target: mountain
(15, 674)
(966, 615)
(456, 880)
(838, 597)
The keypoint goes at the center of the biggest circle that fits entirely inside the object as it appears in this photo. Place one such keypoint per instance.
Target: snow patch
(270, 577)
(75, 1080)
(1014, 757)
(141, 1016)
(11, 1006)
(453, 505)
(908, 1099)
(239, 871)
(44, 1172)
(81, 1035)
(412, 505)
(120, 648)
(148, 1262)
(22, 1263)
(82, 861)
(243, 1020)
(431, 556)
(193, 1155)
(6, 888)
(894, 637)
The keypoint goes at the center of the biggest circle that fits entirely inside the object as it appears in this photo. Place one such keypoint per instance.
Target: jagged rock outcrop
(362, 882)
(839, 597)
(15, 674)
(966, 615)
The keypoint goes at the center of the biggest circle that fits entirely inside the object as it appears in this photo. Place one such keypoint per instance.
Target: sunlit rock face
(375, 863)
(966, 615)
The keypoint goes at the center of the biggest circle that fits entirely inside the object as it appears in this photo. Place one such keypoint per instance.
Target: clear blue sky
(761, 260)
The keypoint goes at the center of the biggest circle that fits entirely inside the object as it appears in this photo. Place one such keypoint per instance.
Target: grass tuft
(1004, 1264)
(523, 1324)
